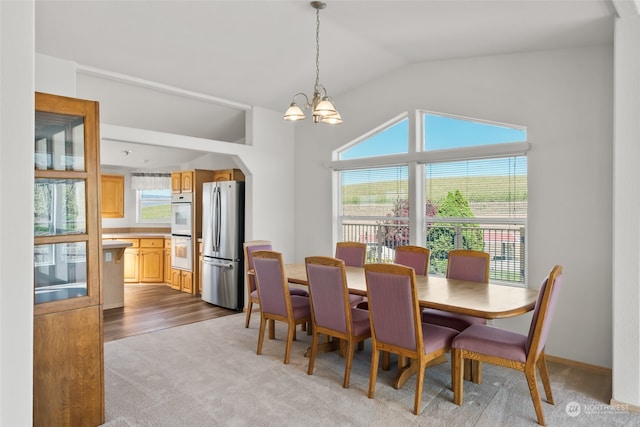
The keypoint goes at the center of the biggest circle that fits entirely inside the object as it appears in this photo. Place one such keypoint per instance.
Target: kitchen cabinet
(132, 261)
(228, 175)
(182, 280)
(144, 260)
(151, 266)
(68, 352)
(182, 182)
(112, 187)
(167, 261)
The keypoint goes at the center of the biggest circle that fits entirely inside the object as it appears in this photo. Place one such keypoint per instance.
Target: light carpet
(208, 374)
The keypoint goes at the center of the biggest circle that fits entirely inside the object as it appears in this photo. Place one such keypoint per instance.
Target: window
(154, 206)
(445, 132)
(471, 177)
(390, 140)
(374, 209)
(478, 205)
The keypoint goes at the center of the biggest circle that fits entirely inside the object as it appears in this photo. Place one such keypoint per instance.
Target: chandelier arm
(307, 104)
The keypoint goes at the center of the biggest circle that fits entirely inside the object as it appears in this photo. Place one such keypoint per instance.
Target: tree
(396, 231)
(442, 237)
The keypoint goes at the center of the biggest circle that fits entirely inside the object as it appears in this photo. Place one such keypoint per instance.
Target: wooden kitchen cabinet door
(182, 182)
(152, 265)
(112, 196)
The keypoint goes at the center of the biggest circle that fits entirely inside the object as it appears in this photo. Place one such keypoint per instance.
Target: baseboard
(569, 362)
(625, 406)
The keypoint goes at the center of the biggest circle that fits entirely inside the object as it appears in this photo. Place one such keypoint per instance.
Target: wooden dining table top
(489, 301)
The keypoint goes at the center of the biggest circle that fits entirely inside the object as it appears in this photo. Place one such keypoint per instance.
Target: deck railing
(504, 241)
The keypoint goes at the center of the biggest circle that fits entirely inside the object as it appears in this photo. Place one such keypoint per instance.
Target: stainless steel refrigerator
(222, 237)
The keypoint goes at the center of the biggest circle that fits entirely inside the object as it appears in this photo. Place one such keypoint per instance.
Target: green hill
(475, 190)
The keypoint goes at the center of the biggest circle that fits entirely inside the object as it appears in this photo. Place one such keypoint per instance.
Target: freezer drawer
(222, 283)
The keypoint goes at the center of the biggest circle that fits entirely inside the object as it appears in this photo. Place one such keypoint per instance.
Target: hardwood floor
(152, 307)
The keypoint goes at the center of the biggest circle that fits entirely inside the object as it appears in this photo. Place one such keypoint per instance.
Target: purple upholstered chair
(276, 302)
(353, 254)
(415, 257)
(252, 293)
(396, 325)
(510, 349)
(462, 265)
(468, 265)
(331, 311)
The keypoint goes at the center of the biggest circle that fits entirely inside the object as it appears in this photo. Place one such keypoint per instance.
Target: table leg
(326, 346)
(411, 368)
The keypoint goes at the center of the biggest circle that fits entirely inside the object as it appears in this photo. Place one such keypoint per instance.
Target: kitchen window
(154, 206)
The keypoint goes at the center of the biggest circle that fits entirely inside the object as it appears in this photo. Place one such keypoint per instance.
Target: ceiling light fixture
(321, 106)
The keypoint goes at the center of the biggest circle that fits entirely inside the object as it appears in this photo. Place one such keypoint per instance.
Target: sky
(440, 133)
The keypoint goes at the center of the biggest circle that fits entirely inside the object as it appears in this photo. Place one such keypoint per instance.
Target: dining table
(485, 300)
(489, 301)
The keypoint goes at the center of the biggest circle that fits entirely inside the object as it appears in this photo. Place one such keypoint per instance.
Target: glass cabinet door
(62, 248)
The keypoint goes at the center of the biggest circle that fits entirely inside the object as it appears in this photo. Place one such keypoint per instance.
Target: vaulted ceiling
(262, 52)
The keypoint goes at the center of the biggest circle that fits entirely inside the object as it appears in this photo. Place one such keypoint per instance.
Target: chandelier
(322, 108)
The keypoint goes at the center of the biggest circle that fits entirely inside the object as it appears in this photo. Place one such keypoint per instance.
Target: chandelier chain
(317, 85)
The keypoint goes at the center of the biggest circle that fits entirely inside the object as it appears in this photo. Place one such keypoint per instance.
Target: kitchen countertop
(115, 244)
(136, 236)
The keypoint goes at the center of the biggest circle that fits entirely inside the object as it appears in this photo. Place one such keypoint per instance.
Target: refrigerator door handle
(217, 209)
(218, 263)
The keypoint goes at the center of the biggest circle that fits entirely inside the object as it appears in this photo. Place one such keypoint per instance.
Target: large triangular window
(469, 176)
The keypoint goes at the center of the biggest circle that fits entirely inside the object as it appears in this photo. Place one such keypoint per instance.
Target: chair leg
(457, 381)
(249, 308)
(349, 362)
(261, 334)
(373, 373)
(360, 345)
(291, 333)
(544, 375)
(419, 385)
(468, 368)
(530, 373)
(476, 371)
(314, 352)
(272, 329)
(386, 360)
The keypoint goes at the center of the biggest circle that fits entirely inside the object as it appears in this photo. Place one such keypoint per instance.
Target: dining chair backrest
(543, 312)
(393, 305)
(329, 293)
(249, 248)
(271, 282)
(353, 254)
(416, 257)
(468, 265)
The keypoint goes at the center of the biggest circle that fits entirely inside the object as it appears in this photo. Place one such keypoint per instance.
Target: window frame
(416, 159)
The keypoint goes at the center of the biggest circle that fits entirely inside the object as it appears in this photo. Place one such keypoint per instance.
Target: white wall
(626, 174)
(267, 162)
(564, 98)
(16, 212)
